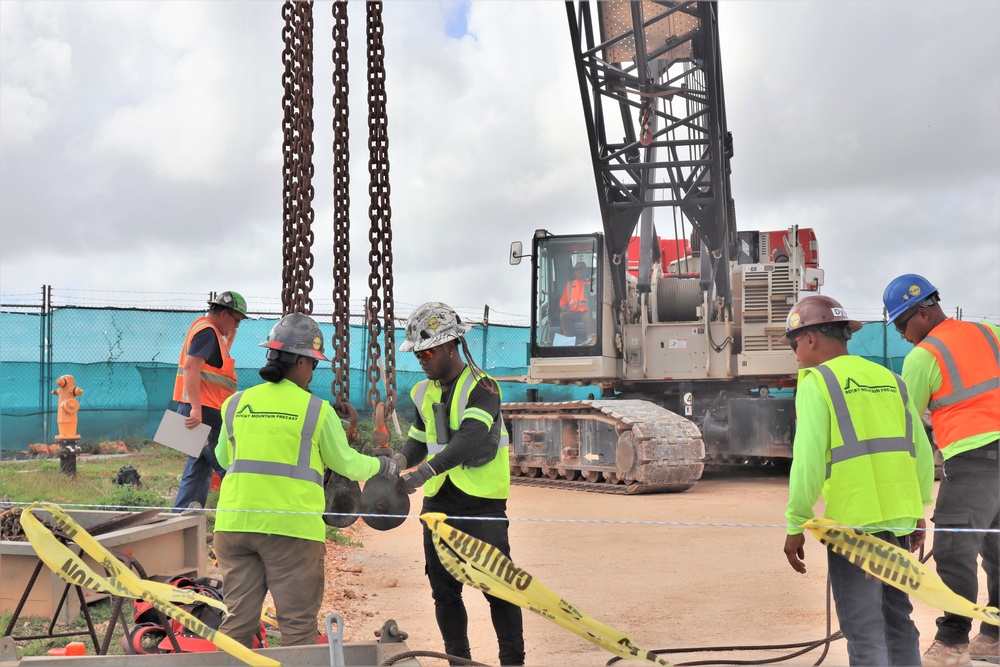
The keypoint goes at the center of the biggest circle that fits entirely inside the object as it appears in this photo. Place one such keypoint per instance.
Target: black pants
(449, 608)
(969, 497)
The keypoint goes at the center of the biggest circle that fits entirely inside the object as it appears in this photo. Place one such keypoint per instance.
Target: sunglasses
(901, 324)
(794, 343)
(424, 355)
(315, 363)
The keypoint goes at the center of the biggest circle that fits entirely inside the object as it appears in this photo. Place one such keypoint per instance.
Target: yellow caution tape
(896, 567)
(482, 566)
(121, 581)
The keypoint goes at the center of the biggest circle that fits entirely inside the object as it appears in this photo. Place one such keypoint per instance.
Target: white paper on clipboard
(174, 434)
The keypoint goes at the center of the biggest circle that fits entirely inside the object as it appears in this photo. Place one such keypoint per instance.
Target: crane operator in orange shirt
(573, 305)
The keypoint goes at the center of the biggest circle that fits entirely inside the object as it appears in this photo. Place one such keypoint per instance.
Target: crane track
(640, 447)
(577, 485)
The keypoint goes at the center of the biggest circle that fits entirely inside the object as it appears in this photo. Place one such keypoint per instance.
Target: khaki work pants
(251, 564)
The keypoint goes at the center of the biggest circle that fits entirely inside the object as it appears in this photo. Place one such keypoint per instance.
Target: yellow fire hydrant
(67, 391)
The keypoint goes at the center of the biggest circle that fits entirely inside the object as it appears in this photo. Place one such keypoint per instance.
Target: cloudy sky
(140, 145)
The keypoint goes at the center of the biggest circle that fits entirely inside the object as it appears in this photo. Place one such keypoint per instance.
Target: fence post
(486, 330)
(49, 379)
(42, 385)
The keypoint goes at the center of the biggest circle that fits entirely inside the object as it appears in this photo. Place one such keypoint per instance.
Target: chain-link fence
(125, 360)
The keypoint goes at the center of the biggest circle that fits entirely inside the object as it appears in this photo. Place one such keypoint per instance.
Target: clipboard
(174, 434)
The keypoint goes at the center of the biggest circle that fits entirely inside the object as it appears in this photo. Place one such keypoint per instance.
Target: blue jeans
(198, 470)
(874, 617)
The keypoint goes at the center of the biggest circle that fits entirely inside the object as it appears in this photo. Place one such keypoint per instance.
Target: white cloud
(149, 137)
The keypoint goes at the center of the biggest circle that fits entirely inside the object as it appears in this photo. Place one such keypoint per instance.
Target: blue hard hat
(904, 293)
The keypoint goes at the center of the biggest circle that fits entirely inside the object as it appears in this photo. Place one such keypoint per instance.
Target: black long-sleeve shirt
(464, 444)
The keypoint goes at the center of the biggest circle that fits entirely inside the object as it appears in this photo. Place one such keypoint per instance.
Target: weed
(127, 496)
(334, 535)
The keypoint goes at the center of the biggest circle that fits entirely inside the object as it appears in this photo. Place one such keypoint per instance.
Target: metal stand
(116, 613)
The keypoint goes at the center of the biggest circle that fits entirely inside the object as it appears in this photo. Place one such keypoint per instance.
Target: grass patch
(334, 535)
(100, 613)
(35, 480)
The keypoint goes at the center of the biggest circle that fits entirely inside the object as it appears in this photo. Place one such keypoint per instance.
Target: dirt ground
(693, 584)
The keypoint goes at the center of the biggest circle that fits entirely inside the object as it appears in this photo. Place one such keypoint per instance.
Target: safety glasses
(424, 355)
(902, 323)
(794, 342)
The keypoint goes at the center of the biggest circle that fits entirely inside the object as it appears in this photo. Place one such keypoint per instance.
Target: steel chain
(297, 150)
(341, 344)
(380, 214)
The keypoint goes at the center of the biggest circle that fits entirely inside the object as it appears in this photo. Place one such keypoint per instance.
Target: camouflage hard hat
(816, 310)
(297, 334)
(432, 324)
(232, 301)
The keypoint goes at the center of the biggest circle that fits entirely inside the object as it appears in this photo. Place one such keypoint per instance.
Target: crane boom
(657, 64)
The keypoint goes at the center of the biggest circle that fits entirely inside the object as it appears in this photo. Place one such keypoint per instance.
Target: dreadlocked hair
(476, 371)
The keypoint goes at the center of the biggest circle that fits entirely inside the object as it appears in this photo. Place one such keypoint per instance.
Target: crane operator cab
(567, 303)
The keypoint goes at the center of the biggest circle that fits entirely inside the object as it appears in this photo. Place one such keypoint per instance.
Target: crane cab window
(566, 296)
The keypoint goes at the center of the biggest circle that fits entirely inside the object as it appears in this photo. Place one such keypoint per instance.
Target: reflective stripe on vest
(854, 447)
(959, 392)
(217, 383)
(418, 400)
(463, 401)
(212, 378)
(301, 470)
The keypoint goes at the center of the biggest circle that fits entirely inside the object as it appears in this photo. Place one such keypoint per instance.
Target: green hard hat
(232, 301)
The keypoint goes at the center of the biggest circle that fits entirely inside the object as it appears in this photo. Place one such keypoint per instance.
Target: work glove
(413, 480)
(394, 455)
(387, 468)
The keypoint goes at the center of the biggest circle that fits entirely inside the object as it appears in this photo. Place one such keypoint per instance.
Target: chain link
(380, 213)
(341, 344)
(297, 151)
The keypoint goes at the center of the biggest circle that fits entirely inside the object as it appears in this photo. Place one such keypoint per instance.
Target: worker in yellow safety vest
(955, 371)
(206, 376)
(459, 444)
(859, 441)
(269, 531)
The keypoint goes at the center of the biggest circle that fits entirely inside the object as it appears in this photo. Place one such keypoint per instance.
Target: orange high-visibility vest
(968, 355)
(575, 295)
(217, 384)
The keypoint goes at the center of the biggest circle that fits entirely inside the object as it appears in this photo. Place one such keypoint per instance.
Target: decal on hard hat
(794, 320)
(317, 343)
(482, 566)
(913, 292)
(433, 323)
(838, 312)
(896, 567)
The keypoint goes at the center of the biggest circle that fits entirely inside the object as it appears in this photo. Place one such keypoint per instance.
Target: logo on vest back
(852, 386)
(248, 412)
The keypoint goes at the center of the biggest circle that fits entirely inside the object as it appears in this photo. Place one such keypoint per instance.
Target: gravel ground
(689, 583)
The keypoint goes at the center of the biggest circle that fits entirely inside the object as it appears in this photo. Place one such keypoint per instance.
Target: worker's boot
(984, 647)
(946, 655)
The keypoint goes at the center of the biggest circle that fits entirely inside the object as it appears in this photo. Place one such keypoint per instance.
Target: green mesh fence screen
(125, 360)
